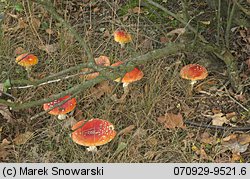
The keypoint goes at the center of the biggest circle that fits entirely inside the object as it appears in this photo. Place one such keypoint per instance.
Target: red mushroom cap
(131, 76)
(27, 60)
(193, 72)
(94, 132)
(63, 109)
(122, 37)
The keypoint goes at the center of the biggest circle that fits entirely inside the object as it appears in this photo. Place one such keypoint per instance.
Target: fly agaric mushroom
(62, 110)
(92, 133)
(122, 37)
(193, 72)
(100, 61)
(129, 77)
(27, 60)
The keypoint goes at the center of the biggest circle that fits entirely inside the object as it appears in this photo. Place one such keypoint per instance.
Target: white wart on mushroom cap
(62, 110)
(92, 133)
(193, 72)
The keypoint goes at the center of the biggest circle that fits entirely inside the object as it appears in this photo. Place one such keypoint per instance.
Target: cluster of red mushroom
(96, 132)
(92, 133)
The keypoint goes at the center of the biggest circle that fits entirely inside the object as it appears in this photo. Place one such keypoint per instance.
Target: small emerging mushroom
(122, 37)
(129, 77)
(100, 61)
(193, 72)
(27, 60)
(62, 110)
(92, 133)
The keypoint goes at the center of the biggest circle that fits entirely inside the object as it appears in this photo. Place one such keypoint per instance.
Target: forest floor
(160, 94)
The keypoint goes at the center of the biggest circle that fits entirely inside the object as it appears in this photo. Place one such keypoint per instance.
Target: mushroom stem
(122, 45)
(28, 69)
(192, 84)
(92, 149)
(123, 97)
(190, 92)
(62, 116)
(125, 88)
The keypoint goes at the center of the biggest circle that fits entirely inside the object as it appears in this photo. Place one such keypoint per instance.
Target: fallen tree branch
(170, 49)
(23, 82)
(50, 81)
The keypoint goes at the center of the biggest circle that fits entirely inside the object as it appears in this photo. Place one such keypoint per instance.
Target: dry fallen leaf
(230, 137)
(236, 143)
(23, 138)
(4, 149)
(100, 89)
(203, 154)
(4, 111)
(230, 115)
(207, 139)
(172, 121)
(96, 9)
(235, 157)
(218, 119)
(200, 152)
(235, 147)
(178, 31)
(126, 130)
(244, 139)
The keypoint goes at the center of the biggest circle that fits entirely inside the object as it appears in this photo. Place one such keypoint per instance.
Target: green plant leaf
(6, 85)
(19, 7)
